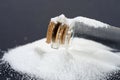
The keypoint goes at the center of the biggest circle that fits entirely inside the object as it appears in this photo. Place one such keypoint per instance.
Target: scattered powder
(84, 60)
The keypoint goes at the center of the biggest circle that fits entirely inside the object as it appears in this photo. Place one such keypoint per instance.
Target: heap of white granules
(83, 60)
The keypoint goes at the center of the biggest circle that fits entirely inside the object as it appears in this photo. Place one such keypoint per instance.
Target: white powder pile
(84, 60)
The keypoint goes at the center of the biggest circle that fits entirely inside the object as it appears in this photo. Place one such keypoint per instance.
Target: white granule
(62, 19)
(83, 60)
(90, 22)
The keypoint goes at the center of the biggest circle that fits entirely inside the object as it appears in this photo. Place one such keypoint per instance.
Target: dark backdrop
(24, 21)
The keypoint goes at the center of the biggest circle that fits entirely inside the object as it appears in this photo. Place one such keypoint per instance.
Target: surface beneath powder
(83, 60)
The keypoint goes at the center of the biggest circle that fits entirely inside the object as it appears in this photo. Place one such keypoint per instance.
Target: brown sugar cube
(51, 26)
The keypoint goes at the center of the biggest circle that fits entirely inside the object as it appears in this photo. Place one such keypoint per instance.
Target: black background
(24, 21)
